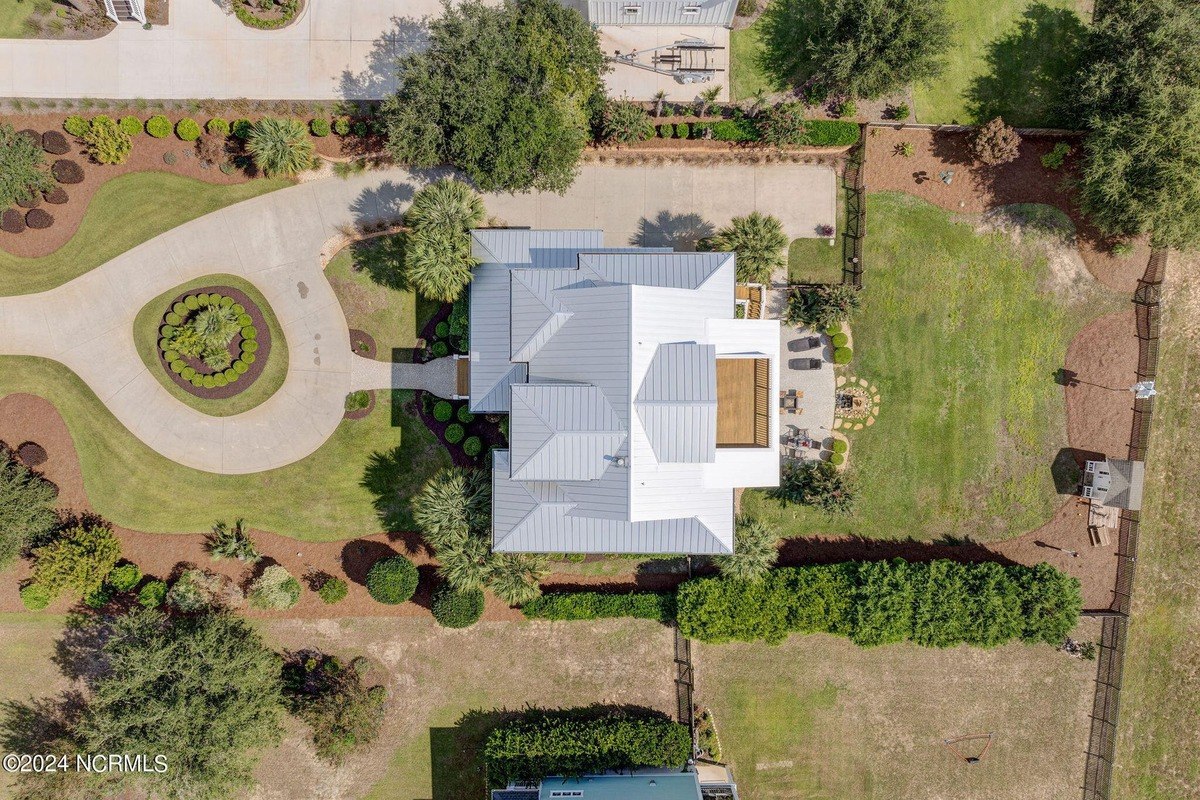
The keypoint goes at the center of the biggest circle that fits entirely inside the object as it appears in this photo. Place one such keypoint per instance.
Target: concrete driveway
(275, 242)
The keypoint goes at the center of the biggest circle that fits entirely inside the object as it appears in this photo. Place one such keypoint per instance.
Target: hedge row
(936, 604)
(597, 605)
(568, 743)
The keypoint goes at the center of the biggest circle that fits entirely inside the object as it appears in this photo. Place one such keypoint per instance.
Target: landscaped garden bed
(267, 14)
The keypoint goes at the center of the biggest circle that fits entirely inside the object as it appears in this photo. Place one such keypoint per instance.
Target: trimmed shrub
(341, 126)
(666, 131)
(187, 129)
(35, 597)
(39, 219)
(240, 367)
(197, 590)
(33, 201)
(275, 589)
(837, 459)
(940, 603)
(840, 446)
(464, 414)
(188, 373)
(738, 129)
(472, 446)
(99, 598)
(683, 130)
(78, 560)
(443, 411)
(130, 126)
(900, 112)
(454, 609)
(440, 349)
(12, 221)
(842, 355)
(55, 143)
(783, 124)
(455, 433)
(219, 381)
(217, 126)
(839, 339)
(240, 128)
(158, 126)
(996, 143)
(125, 577)
(153, 594)
(65, 171)
(657, 606)
(333, 590)
(580, 741)
(243, 320)
(1055, 158)
(249, 346)
(319, 127)
(249, 357)
(392, 580)
(106, 142)
(76, 125)
(249, 332)
(56, 196)
(442, 330)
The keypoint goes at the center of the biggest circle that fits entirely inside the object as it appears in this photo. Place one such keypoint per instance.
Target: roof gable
(562, 432)
(677, 403)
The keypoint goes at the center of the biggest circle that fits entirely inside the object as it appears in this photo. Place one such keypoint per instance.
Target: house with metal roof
(657, 12)
(637, 401)
(714, 782)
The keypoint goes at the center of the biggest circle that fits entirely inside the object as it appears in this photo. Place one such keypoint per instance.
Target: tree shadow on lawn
(1031, 70)
(394, 476)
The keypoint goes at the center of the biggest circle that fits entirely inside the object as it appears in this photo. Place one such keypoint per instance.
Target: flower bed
(267, 14)
(231, 360)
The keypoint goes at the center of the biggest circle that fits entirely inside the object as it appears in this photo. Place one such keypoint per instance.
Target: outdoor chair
(805, 363)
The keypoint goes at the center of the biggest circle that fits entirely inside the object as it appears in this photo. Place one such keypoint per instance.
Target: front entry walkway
(438, 376)
(275, 242)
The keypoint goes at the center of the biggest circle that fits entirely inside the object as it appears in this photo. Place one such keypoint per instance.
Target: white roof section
(606, 362)
(661, 12)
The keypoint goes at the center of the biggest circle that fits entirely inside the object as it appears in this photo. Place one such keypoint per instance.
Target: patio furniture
(805, 363)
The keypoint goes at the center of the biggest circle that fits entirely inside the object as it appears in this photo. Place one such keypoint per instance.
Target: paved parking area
(642, 84)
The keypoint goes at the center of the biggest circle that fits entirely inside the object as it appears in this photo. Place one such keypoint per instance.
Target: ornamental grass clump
(280, 147)
(275, 589)
(24, 173)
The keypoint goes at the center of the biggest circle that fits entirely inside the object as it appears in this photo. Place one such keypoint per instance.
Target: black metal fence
(684, 683)
(1102, 740)
(856, 213)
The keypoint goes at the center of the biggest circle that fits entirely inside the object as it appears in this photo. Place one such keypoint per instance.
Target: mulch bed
(362, 343)
(976, 188)
(362, 412)
(247, 379)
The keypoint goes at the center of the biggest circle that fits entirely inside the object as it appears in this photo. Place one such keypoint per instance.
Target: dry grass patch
(818, 717)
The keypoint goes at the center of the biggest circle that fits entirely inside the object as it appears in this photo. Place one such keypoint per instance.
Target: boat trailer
(688, 60)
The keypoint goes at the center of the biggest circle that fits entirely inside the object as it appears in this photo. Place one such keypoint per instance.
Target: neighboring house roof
(657, 786)
(661, 12)
(606, 360)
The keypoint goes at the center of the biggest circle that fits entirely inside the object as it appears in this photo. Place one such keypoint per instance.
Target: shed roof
(661, 12)
(1125, 484)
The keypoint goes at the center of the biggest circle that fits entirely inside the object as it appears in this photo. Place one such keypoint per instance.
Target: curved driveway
(275, 241)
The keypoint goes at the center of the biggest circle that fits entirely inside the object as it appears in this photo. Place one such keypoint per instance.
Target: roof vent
(620, 461)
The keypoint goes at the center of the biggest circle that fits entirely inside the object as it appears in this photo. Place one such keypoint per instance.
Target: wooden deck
(462, 376)
(743, 402)
(754, 296)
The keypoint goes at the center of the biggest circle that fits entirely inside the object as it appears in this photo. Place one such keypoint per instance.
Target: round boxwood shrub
(240, 367)
(442, 330)
(839, 340)
(209, 382)
(131, 126)
(842, 355)
(455, 433)
(177, 366)
(192, 302)
(840, 446)
(230, 374)
(35, 596)
(341, 126)
(187, 129)
(241, 128)
(249, 332)
(333, 590)
(66, 171)
(12, 221)
(833, 329)
(217, 127)
(158, 126)
(837, 459)
(153, 594)
(472, 446)
(243, 320)
(440, 349)
(392, 580)
(319, 127)
(248, 357)
(455, 609)
(443, 411)
(76, 125)
(125, 577)
(56, 196)
(173, 319)
(220, 381)
(198, 381)
(249, 346)
(239, 309)
(188, 373)
(683, 130)
(39, 218)
(464, 415)
(666, 131)
(55, 143)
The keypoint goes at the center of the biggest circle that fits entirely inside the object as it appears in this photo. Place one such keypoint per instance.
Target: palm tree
(515, 576)
(706, 99)
(759, 242)
(446, 204)
(465, 561)
(755, 551)
(452, 503)
(757, 101)
(280, 147)
(438, 263)
(227, 541)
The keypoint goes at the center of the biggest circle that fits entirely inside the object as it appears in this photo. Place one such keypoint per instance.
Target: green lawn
(963, 347)
(818, 717)
(12, 16)
(125, 212)
(373, 302)
(813, 260)
(145, 338)
(746, 75)
(363, 473)
(1010, 58)
(1156, 751)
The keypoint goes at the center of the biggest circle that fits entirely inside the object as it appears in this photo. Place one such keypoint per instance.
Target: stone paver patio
(275, 241)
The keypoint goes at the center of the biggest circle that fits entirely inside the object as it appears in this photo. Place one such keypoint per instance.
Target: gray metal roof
(541, 248)
(662, 12)
(1125, 484)
(677, 403)
(649, 785)
(654, 268)
(562, 432)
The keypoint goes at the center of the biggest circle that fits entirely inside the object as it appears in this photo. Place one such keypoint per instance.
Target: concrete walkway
(438, 376)
(274, 241)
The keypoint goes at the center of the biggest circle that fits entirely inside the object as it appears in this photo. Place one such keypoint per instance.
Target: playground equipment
(958, 745)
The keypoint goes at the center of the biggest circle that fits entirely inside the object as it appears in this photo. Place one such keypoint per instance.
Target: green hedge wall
(936, 604)
(596, 605)
(568, 743)
(830, 132)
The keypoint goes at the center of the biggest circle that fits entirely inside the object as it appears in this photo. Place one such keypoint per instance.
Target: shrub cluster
(153, 594)
(187, 129)
(202, 326)
(275, 589)
(159, 126)
(130, 126)
(125, 578)
(392, 580)
(598, 605)
(76, 125)
(332, 590)
(246, 15)
(453, 608)
(331, 697)
(107, 141)
(78, 559)
(936, 604)
(573, 743)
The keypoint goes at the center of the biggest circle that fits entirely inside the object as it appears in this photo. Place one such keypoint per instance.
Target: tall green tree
(437, 255)
(502, 92)
(203, 691)
(1139, 95)
(858, 48)
(26, 507)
